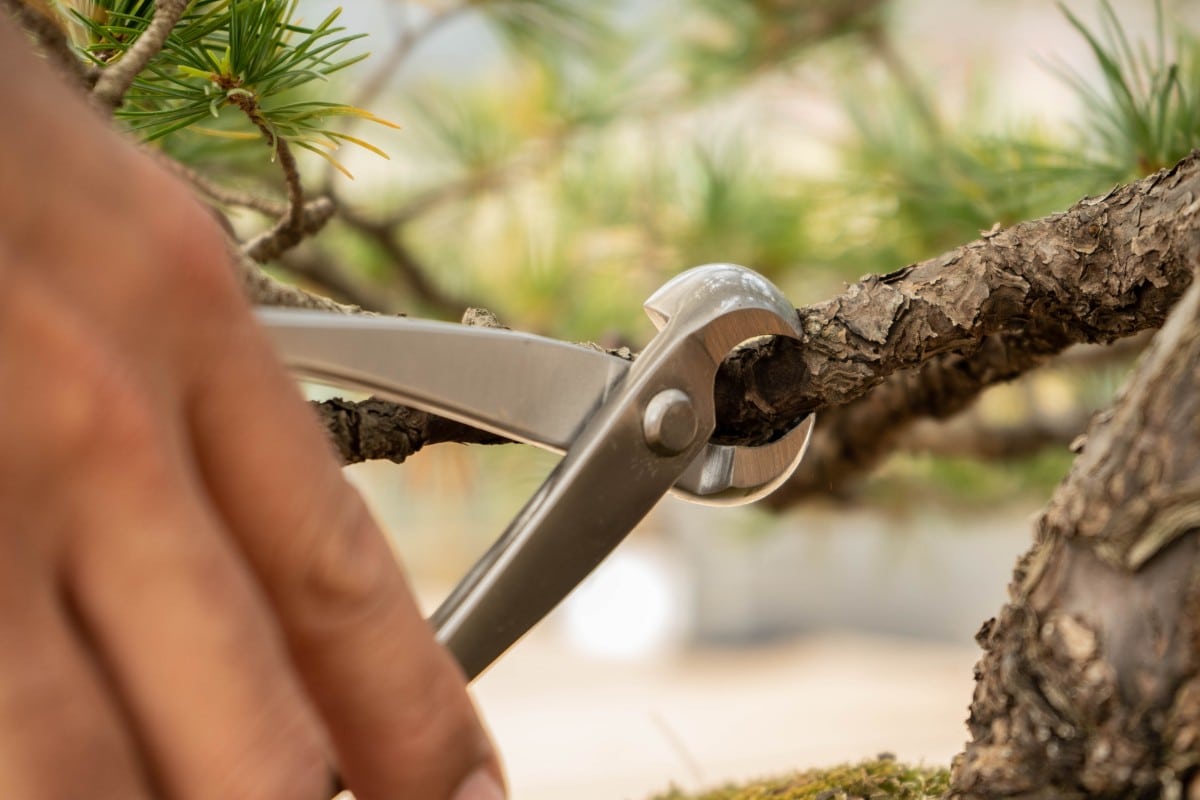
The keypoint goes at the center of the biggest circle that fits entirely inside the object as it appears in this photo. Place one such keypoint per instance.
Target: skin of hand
(193, 602)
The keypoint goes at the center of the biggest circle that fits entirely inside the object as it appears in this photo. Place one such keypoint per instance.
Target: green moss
(882, 779)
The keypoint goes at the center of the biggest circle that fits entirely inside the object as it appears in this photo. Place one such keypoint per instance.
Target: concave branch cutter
(630, 432)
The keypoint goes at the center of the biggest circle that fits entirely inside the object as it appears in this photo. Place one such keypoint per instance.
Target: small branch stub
(669, 423)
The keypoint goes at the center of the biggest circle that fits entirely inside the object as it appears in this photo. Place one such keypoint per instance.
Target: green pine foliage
(229, 54)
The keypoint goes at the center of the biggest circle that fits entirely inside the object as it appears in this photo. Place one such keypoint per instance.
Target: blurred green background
(558, 161)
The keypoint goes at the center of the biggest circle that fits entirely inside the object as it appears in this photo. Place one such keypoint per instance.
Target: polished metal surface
(631, 433)
(525, 387)
(670, 423)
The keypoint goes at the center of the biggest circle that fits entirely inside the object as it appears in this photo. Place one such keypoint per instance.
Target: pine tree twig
(299, 219)
(294, 226)
(316, 212)
(52, 40)
(263, 290)
(291, 229)
(116, 78)
(222, 194)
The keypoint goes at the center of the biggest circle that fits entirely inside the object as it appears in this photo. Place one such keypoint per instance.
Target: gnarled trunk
(1090, 681)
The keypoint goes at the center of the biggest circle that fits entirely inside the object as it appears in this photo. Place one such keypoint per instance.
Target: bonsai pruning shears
(630, 432)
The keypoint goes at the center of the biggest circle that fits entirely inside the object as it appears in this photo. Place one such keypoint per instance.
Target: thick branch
(925, 341)
(1109, 267)
(116, 78)
(851, 439)
(377, 429)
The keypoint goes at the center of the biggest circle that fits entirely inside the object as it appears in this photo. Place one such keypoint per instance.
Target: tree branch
(925, 341)
(853, 438)
(298, 219)
(1109, 267)
(263, 290)
(378, 429)
(117, 77)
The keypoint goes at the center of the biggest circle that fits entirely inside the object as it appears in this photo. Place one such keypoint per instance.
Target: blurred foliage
(602, 147)
(722, 43)
(683, 139)
(1145, 115)
(583, 187)
(882, 779)
(918, 482)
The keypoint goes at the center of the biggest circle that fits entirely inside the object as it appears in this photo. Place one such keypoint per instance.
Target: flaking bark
(1107, 268)
(1090, 681)
(377, 429)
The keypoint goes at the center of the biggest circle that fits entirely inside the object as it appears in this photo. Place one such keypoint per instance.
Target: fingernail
(480, 785)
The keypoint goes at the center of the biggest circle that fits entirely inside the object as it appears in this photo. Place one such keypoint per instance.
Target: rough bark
(1107, 268)
(1090, 681)
(377, 429)
(852, 438)
(925, 340)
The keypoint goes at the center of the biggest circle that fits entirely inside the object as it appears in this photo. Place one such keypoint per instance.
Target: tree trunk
(1090, 681)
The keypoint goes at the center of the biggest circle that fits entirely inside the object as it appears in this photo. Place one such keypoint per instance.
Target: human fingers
(61, 735)
(393, 700)
(62, 732)
(161, 597)
(190, 644)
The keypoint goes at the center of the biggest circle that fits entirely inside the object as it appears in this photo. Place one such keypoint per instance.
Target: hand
(193, 602)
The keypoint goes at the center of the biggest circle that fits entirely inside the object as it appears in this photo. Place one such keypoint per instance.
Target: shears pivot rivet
(670, 423)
